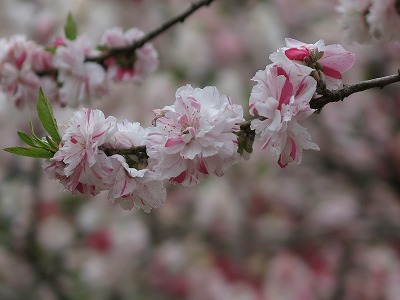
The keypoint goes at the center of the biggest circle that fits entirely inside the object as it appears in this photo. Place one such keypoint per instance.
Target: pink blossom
(135, 68)
(332, 60)
(134, 185)
(136, 188)
(79, 164)
(195, 136)
(17, 79)
(384, 20)
(80, 80)
(354, 19)
(289, 278)
(282, 98)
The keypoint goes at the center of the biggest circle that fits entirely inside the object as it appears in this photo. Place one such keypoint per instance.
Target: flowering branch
(201, 134)
(151, 35)
(340, 94)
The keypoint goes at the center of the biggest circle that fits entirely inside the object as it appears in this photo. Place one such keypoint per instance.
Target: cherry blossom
(331, 60)
(384, 20)
(79, 164)
(354, 19)
(81, 80)
(282, 99)
(122, 67)
(195, 137)
(134, 184)
(17, 77)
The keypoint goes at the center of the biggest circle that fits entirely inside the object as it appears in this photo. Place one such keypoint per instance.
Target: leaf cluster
(47, 146)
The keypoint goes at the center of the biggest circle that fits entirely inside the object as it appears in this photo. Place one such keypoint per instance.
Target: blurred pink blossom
(17, 78)
(80, 80)
(135, 68)
(354, 19)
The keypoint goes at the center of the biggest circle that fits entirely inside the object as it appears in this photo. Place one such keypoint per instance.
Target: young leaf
(26, 139)
(45, 113)
(53, 145)
(29, 152)
(70, 28)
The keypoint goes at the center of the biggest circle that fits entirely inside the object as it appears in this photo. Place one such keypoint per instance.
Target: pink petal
(173, 142)
(332, 73)
(280, 163)
(293, 152)
(178, 179)
(297, 54)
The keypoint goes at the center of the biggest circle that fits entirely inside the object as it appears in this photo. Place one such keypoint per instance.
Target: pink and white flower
(331, 60)
(17, 78)
(135, 68)
(134, 184)
(282, 98)
(81, 80)
(195, 137)
(79, 164)
(353, 19)
(384, 20)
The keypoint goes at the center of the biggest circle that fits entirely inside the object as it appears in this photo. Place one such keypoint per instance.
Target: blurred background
(327, 229)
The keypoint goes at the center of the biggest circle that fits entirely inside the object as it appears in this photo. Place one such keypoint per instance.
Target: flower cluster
(83, 166)
(21, 62)
(72, 64)
(366, 20)
(196, 136)
(202, 133)
(190, 140)
(281, 97)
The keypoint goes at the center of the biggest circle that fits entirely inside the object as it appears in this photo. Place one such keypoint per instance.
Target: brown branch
(339, 95)
(139, 151)
(151, 35)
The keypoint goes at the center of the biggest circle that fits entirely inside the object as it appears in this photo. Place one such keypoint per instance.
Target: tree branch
(151, 35)
(339, 95)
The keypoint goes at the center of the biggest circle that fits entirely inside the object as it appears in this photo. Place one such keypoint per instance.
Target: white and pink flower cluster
(281, 97)
(367, 20)
(191, 139)
(196, 136)
(75, 66)
(82, 165)
(21, 62)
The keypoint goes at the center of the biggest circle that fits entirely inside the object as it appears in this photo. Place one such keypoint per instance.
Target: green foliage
(30, 152)
(70, 28)
(47, 146)
(45, 113)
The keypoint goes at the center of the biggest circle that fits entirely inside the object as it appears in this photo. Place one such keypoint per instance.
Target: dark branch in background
(338, 95)
(151, 35)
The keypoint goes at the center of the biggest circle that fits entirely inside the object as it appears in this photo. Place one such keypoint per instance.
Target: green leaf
(70, 28)
(102, 48)
(45, 113)
(26, 139)
(29, 152)
(54, 146)
(52, 50)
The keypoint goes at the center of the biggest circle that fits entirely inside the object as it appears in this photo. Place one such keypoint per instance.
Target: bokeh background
(327, 229)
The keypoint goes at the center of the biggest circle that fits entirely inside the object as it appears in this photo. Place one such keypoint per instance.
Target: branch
(151, 35)
(339, 95)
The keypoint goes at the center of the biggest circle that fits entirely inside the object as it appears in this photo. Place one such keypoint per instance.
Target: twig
(338, 95)
(151, 35)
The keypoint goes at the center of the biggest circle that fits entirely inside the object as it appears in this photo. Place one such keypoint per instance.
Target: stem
(151, 35)
(339, 95)
(139, 151)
